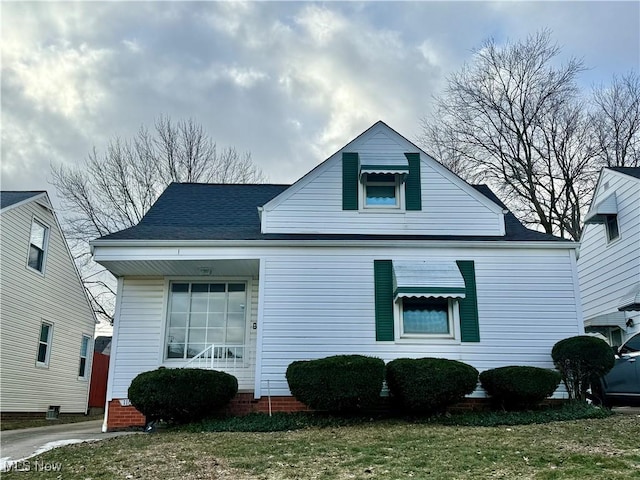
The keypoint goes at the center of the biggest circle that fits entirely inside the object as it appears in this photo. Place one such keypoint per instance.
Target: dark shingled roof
(196, 211)
(8, 198)
(633, 171)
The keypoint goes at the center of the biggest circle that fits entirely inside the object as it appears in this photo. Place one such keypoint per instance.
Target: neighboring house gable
(46, 321)
(609, 261)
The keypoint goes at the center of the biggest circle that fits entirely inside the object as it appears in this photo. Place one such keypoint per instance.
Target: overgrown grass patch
(586, 449)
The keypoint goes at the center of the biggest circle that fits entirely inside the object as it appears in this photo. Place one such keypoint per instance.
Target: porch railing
(219, 357)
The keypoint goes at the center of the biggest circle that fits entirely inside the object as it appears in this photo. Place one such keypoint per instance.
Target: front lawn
(594, 448)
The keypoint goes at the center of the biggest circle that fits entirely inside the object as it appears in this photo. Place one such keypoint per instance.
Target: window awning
(613, 319)
(395, 165)
(630, 301)
(427, 279)
(598, 214)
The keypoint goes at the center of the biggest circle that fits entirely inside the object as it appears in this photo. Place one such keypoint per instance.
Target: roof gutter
(336, 243)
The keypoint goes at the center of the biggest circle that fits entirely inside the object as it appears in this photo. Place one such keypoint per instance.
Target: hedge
(340, 383)
(582, 360)
(429, 385)
(181, 395)
(519, 386)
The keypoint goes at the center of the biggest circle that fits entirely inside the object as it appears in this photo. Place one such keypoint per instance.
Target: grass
(43, 422)
(594, 448)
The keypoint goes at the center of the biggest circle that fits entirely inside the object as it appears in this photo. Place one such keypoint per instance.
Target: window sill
(428, 341)
(38, 272)
(42, 365)
(377, 210)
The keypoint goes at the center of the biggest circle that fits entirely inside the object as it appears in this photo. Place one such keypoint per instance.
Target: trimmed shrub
(429, 385)
(519, 386)
(341, 383)
(181, 395)
(582, 360)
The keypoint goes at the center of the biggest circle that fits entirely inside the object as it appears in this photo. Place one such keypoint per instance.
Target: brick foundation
(244, 403)
(123, 417)
(126, 417)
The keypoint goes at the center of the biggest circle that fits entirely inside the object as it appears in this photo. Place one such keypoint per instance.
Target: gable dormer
(377, 182)
(382, 184)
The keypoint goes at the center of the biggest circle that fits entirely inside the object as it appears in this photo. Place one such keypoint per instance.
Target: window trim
(400, 197)
(607, 228)
(173, 362)
(84, 377)
(45, 245)
(48, 343)
(453, 317)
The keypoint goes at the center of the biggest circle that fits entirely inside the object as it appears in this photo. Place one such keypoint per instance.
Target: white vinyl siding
(140, 343)
(609, 269)
(28, 299)
(316, 206)
(319, 302)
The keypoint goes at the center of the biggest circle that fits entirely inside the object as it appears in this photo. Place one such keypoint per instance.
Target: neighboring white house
(46, 321)
(609, 263)
(379, 250)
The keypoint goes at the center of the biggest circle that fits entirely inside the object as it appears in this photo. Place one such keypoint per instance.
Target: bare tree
(512, 118)
(616, 121)
(112, 191)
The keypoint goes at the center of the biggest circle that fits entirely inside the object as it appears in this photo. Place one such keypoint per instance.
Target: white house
(379, 250)
(46, 321)
(609, 263)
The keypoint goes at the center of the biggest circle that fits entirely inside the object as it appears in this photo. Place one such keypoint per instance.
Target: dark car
(621, 386)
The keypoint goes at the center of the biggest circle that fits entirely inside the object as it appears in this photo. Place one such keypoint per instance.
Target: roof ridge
(233, 184)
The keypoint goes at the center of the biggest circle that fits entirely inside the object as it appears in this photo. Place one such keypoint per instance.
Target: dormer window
(606, 213)
(381, 190)
(372, 183)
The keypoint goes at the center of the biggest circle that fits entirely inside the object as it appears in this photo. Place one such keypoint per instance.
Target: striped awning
(397, 165)
(427, 279)
(599, 212)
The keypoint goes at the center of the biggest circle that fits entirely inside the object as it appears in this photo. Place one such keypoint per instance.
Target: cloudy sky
(289, 82)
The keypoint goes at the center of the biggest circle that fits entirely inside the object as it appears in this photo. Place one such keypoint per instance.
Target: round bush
(181, 395)
(341, 383)
(582, 360)
(429, 385)
(519, 386)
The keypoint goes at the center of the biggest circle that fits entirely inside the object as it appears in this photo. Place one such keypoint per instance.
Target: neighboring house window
(44, 343)
(84, 351)
(381, 190)
(37, 246)
(422, 317)
(612, 334)
(205, 314)
(612, 227)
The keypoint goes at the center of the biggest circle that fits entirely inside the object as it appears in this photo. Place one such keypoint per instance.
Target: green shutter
(413, 187)
(349, 181)
(383, 285)
(469, 329)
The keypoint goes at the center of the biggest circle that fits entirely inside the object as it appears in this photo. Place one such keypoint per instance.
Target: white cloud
(244, 77)
(60, 77)
(321, 24)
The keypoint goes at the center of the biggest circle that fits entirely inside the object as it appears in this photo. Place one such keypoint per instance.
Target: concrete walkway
(18, 445)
